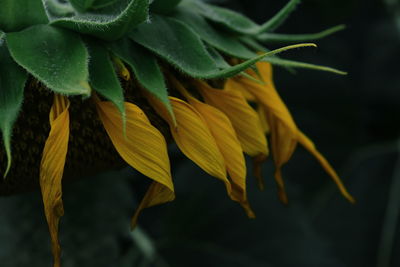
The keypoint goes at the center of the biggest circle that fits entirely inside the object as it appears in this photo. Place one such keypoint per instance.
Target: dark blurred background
(353, 119)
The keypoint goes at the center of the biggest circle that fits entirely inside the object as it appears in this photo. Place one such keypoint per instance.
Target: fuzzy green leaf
(56, 9)
(222, 64)
(253, 44)
(237, 69)
(176, 43)
(12, 83)
(218, 59)
(180, 46)
(102, 75)
(240, 24)
(55, 56)
(97, 4)
(279, 17)
(221, 40)
(145, 67)
(109, 23)
(231, 20)
(16, 15)
(164, 6)
(81, 5)
(293, 38)
(296, 64)
(250, 42)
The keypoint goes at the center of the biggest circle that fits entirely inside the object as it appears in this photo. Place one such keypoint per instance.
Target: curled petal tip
(283, 197)
(249, 211)
(351, 199)
(257, 171)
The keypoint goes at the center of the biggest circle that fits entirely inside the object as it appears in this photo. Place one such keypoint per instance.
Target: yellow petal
(267, 96)
(265, 70)
(284, 130)
(161, 109)
(229, 145)
(244, 119)
(156, 194)
(52, 168)
(121, 69)
(263, 119)
(282, 127)
(248, 96)
(309, 145)
(284, 133)
(259, 160)
(144, 147)
(283, 144)
(257, 170)
(195, 141)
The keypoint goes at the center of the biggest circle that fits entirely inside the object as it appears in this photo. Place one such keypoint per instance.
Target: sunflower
(92, 85)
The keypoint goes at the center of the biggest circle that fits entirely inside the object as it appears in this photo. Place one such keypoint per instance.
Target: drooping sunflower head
(87, 85)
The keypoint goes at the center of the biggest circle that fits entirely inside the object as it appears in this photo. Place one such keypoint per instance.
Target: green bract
(144, 66)
(16, 15)
(75, 46)
(225, 42)
(109, 23)
(12, 83)
(164, 6)
(56, 57)
(103, 77)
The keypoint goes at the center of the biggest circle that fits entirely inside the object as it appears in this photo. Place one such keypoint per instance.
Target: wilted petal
(309, 145)
(283, 144)
(52, 168)
(144, 147)
(257, 170)
(265, 71)
(155, 195)
(195, 140)
(260, 159)
(244, 119)
(282, 127)
(263, 119)
(246, 94)
(229, 145)
(284, 133)
(161, 109)
(267, 96)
